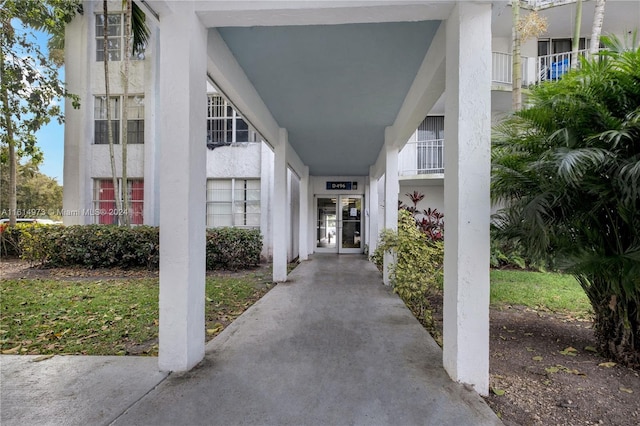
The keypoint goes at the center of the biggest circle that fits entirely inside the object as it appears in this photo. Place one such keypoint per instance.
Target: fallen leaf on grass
(217, 327)
(569, 351)
(42, 358)
(627, 390)
(607, 364)
(498, 392)
(12, 350)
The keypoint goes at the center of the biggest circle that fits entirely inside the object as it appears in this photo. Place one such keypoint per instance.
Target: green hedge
(104, 246)
(233, 248)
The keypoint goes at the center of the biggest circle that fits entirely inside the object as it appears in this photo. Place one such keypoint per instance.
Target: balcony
(422, 160)
(534, 70)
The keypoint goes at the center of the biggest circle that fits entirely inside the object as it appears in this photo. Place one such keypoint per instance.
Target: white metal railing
(553, 67)
(534, 70)
(543, 4)
(422, 158)
(502, 66)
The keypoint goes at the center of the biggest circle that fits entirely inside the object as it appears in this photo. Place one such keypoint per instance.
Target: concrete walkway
(332, 346)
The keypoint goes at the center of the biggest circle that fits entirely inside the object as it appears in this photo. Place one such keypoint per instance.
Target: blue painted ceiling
(333, 87)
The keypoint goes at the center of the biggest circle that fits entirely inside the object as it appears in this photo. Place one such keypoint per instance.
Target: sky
(50, 138)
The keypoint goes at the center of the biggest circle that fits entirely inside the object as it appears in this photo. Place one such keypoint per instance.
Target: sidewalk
(332, 346)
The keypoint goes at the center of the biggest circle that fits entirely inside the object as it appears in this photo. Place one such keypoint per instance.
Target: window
(115, 40)
(430, 145)
(104, 201)
(224, 125)
(135, 121)
(115, 37)
(233, 202)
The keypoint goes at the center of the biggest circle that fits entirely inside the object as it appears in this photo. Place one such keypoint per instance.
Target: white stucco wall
(433, 195)
(101, 164)
(242, 160)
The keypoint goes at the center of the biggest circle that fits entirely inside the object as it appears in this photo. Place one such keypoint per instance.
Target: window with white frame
(233, 202)
(104, 201)
(135, 120)
(224, 125)
(115, 38)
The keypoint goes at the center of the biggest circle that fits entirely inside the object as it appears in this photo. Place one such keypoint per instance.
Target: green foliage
(417, 272)
(38, 195)
(90, 246)
(10, 239)
(510, 254)
(30, 88)
(567, 170)
(539, 290)
(106, 246)
(233, 248)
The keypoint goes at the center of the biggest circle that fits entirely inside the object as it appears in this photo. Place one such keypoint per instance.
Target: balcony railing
(534, 70)
(422, 158)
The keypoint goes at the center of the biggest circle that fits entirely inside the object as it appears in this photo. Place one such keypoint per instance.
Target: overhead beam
(269, 13)
(425, 91)
(232, 81)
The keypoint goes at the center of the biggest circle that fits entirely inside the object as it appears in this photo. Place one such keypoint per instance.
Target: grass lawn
(538, 290)
(106, 317)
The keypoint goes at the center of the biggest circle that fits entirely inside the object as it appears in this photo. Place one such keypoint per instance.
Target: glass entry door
(339, 224)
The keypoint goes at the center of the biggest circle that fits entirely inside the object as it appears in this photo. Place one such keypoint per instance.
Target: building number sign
(344, 186)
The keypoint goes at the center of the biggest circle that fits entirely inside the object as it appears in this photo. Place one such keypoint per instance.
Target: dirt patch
(547, 366)
(544, 371)
(13, 268)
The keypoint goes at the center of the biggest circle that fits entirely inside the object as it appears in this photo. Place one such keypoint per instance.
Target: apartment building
(309, 120)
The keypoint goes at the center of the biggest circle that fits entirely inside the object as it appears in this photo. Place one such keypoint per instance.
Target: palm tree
(596, 29)
(136, 37)
(567, 170)
(575, 42)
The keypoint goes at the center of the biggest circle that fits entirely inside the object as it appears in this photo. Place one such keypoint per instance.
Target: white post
(182, 115)
(373, 214)
(303, 246)
(466, 188)
(391, 188)
(280, 207)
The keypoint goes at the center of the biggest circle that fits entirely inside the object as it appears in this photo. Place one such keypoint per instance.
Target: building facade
(290, 116)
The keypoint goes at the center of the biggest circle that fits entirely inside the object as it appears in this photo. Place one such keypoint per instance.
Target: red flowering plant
(430, 221)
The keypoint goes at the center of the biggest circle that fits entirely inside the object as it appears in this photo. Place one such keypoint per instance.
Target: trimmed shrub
(10, 239)
(105, 246)
(233, 248)
(417, 272)
(91, 246)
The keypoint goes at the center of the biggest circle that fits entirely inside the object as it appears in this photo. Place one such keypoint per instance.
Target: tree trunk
(575, 42)
(596, 29)
(516, 65)
(114, 175)
(8, 125)
(616, 318)
(125, 112)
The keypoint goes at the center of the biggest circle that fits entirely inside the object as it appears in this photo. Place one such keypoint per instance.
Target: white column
(303, 246)
(182, 115)
(280, 204)
(373, 214)
(466, 186)
(391, 187)
(266, 200)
